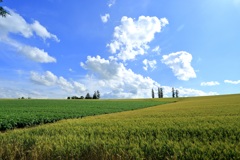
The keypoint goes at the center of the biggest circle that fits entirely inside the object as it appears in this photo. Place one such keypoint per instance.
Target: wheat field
(189, 128)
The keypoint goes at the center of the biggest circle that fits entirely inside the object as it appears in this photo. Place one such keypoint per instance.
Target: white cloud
(186, 92)
(211, 83)
(232, 82)
(49, 79)
(79, 87)
(14, 23)
(116, 80)
(64, 84)
(105, 18)
(33, 53)
(131, 38)
(111, 3)
(36, 54)
(42, 32)
(150, 64)
(156, 49)
(180, 63)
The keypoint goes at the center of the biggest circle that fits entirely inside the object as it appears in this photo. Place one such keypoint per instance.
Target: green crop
(191, 128)
(22, 113)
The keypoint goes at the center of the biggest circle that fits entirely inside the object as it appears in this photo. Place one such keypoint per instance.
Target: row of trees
(96, 95)
(175, 93)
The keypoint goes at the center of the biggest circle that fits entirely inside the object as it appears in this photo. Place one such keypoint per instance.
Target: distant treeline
(96, 95)
(175, 93)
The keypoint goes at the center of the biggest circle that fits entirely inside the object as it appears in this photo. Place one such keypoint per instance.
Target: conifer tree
(161, 92)
(177, 92)
(98, 94)
(173, 93)
(152, 93)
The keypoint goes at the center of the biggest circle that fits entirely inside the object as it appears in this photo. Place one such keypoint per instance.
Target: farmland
(23, 113)
(191, 128)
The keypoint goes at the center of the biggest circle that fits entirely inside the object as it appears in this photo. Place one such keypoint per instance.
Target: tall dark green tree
(88, 96)
(95, 95)
(3, 12)
(177, 92)
(98, 94)
(173, 93)
(161, 92)
(152, 93)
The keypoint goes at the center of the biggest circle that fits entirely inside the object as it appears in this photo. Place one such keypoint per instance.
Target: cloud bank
(116, 80)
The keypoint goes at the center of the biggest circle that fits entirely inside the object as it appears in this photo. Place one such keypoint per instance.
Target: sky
(124, 49)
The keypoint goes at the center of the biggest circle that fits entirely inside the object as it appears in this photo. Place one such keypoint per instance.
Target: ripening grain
(191, 128)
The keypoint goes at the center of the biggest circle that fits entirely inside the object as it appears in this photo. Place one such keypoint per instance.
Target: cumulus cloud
(180, 63)
(232, 82)
(105, 18)
(150, 64)
(116, 79)
(14, 23)
(211, 83)
(131, 38)
(49, 79)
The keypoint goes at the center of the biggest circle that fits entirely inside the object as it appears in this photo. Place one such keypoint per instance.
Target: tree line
(96, 95)
(175, 93)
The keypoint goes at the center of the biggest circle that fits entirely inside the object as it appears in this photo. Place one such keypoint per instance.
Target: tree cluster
(175, 93)
(160, 93)
(96, 95)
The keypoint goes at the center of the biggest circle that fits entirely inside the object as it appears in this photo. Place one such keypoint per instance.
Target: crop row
(23, 113)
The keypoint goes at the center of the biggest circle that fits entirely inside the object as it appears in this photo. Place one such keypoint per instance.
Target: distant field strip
(22, 113)
(191, 128)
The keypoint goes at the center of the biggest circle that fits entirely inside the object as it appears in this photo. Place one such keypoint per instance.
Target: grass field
(191, 128)
(22, 113)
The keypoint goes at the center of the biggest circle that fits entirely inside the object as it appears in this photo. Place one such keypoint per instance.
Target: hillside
(190, 128)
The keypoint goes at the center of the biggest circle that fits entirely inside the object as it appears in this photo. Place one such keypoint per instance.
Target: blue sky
(54, 49)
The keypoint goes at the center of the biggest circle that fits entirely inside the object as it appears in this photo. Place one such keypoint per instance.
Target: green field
(23, 113)
(191, 128)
